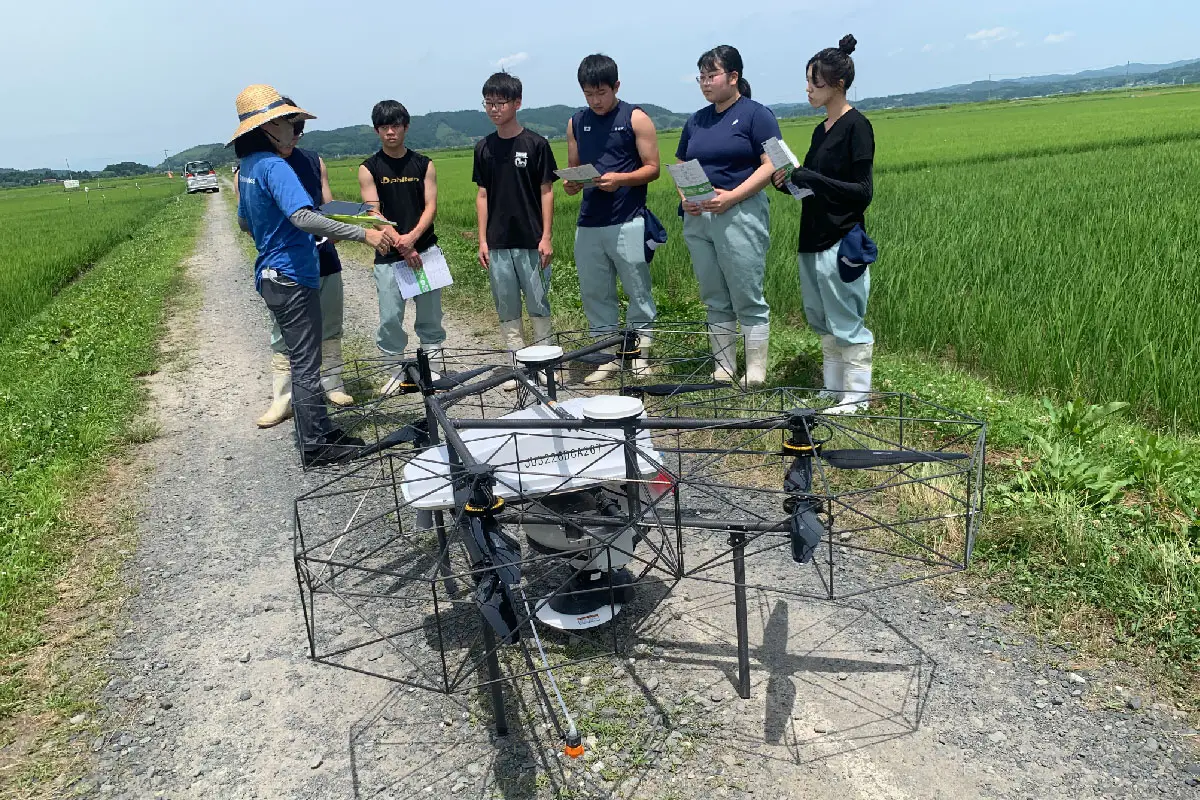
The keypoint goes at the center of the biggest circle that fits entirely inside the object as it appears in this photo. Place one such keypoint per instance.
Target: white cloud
(895, 52)
(511, 61)
(987, 36)
(1059, 38)
(927, 48)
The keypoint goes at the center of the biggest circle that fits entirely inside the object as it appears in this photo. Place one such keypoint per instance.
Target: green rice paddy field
(1044, 243)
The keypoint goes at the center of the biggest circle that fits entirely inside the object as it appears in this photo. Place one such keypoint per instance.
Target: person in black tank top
(838, 170)
(400, 185)
(620, 141)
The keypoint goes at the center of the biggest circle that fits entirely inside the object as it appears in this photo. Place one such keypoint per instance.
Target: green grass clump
(69, 393)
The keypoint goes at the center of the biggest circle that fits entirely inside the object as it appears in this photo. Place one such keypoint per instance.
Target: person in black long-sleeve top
(838, 172)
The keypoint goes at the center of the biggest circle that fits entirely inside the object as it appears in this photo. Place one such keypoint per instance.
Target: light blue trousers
(729, 256)
(331, 313)
(514, 273)
(391, 338)
(831, 306)
(601, 256)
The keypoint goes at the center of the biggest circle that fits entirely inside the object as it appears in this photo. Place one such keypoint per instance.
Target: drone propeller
(806, 531)
(867, 459)
(414, 433)
(458, 378)
(669, 389)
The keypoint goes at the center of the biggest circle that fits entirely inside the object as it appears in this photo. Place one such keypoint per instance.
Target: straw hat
(259, 104)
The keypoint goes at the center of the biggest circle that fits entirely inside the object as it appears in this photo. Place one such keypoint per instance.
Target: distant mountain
(439, 129)
(1032, 86)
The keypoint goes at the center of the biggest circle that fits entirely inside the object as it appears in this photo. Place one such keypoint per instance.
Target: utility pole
(68, 167)
(166, 166)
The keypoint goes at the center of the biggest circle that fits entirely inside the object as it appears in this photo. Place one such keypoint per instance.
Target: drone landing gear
(591, 598)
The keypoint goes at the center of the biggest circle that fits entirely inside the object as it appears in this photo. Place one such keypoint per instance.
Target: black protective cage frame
(438, 600)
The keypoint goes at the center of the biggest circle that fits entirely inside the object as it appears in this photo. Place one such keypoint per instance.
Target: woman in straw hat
(276, 209)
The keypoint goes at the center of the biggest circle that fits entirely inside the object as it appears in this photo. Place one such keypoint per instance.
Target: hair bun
(847, 44)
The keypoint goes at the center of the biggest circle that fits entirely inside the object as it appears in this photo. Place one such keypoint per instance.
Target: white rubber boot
(832, 368)
(758, 341)
(543, 332)
(281, 390)
(514, 339)
(434, 353)
(331, 380)
(397, 377)
(641, 364)
(857, 376)
(604, 371)
(724, 352)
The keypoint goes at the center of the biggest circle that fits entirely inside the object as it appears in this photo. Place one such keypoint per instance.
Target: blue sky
(122, 80)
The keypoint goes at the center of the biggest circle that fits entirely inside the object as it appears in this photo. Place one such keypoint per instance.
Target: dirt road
(903, 696)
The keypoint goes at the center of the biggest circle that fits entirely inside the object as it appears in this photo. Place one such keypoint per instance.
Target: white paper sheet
(691, 180)
(433, 274)
(584, 173)
(782, 157)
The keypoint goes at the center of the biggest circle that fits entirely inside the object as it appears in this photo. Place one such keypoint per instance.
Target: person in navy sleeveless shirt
(728, 235)
(620, 141)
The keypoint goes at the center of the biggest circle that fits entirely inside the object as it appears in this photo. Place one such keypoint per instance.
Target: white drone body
(560, 471)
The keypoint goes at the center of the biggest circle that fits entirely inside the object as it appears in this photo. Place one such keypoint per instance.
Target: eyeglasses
(703, 79)
(497, 104)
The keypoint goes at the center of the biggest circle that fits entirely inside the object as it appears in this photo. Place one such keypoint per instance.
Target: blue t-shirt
(268, 193)
(729, 144)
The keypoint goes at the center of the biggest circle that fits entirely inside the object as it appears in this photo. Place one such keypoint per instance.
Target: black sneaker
(337, 448)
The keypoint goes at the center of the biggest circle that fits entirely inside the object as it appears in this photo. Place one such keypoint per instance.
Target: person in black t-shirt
(838, 171)
(514, 169)
(401, 185)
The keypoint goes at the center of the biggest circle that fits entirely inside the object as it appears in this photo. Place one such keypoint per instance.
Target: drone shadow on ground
(827, 677)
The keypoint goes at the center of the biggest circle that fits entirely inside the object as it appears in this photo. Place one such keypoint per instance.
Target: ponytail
(743, 87)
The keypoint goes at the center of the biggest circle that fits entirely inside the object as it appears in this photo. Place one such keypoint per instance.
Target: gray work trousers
(297, 311)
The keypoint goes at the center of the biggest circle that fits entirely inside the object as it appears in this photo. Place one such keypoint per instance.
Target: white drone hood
(537, 462)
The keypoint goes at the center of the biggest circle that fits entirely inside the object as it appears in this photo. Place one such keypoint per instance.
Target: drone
(479, 521)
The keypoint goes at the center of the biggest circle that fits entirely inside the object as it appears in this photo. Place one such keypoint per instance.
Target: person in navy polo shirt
(728, 235)
(276, 209)
(620, 141)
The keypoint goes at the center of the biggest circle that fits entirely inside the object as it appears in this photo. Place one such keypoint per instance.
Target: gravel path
(213, 696)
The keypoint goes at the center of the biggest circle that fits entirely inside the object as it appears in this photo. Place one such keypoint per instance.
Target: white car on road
(200, 177)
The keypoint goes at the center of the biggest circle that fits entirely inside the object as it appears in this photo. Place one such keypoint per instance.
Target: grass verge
(70, 394)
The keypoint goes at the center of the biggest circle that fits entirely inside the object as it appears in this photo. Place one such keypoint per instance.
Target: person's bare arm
(646, 139)
(370, 196)
(326, 192)
(545, 248)
(407, 244)
(727, 199)
(572, 187)
(481, 215)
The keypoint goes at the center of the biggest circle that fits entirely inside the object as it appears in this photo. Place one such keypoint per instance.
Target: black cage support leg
(738, 541)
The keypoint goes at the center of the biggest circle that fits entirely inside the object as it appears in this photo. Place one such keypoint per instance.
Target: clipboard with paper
(782, 157)
(434, 273)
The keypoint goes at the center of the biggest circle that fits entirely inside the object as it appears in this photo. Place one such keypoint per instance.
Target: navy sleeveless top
(608, 143)
(307, 167)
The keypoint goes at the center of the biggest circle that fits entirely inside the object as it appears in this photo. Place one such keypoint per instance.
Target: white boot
(434, 353)
(724, 352)
(857, 375)
(542, 330)
(641, 364)
(331, 381)
(281, 390)
(832, 368)
(758, 341)
(397, 377)
(604, 371)
(514, 339)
